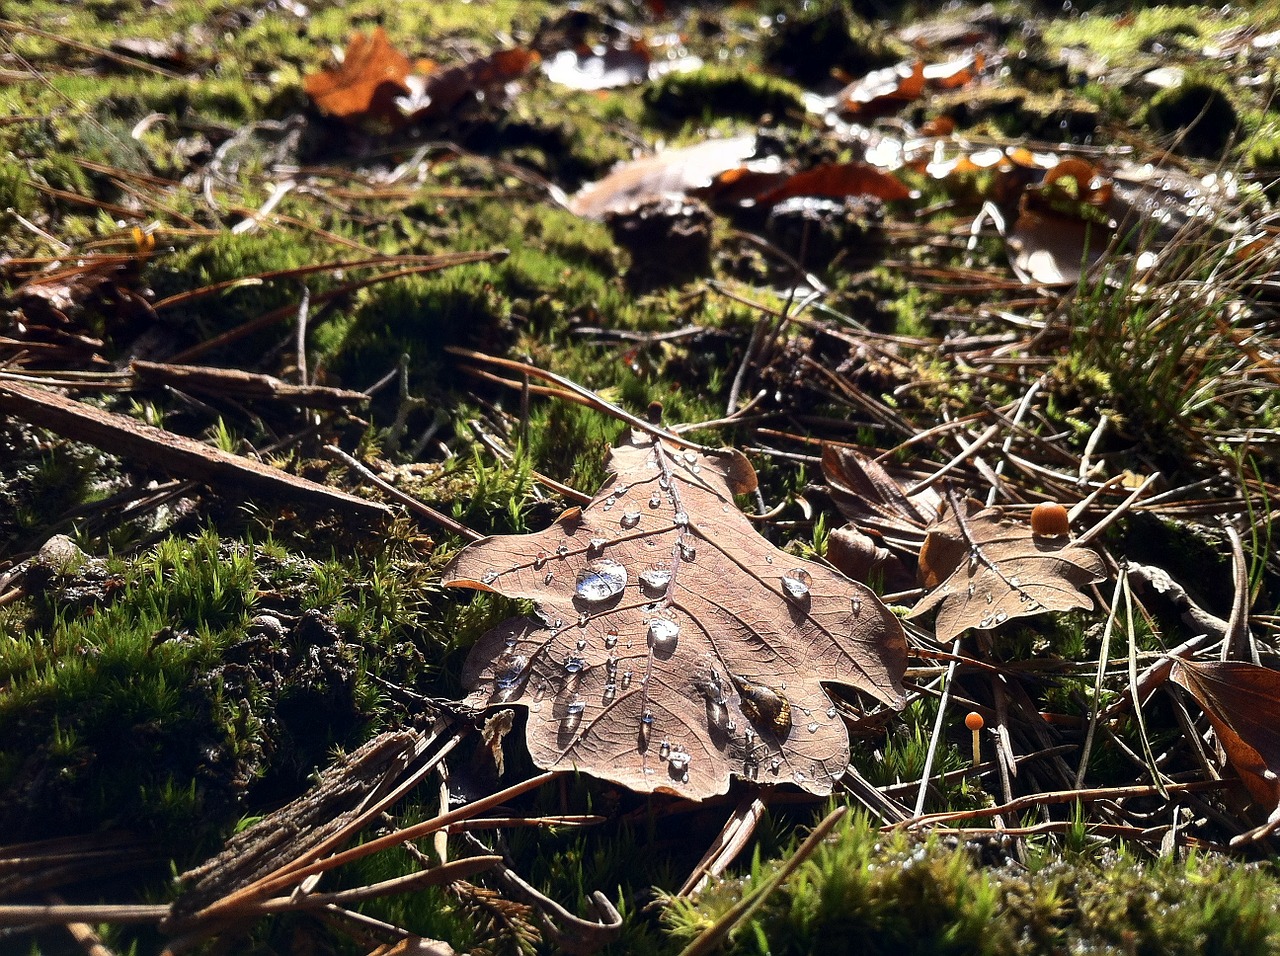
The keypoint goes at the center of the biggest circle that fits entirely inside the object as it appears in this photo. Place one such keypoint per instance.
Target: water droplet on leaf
(655, 579)
(663, 634)
(795, 584)
(601, 580)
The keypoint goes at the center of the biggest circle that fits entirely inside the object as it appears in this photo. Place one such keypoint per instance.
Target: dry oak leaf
(1242, 701)
(674, 647)
(987, 569)
(366, 84)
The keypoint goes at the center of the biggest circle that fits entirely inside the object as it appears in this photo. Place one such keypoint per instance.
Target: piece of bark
(180, 455)
(208, 380)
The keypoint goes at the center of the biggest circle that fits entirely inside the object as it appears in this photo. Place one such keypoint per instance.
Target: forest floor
(302, 299)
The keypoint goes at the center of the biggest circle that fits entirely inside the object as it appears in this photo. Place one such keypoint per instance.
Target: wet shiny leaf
(674, 647)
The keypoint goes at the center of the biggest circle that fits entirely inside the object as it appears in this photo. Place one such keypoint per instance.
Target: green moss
(867, 892)
(714, 92)
(1198, 115)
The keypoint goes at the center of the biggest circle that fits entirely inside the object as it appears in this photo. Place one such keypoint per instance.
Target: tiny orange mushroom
(975, 724)
(1049, 520)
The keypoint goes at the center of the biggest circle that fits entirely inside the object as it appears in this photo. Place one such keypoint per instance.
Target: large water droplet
(717, 716)
(562, 551)
(857, 605)
(611, 639)
(508, 670)
(596, 545)
(610, 691)
(539, 560)
(655, 579)
(664, 749)
(601, 580)
(655, 500)
(687, 551)
(681, 519)
(629, 519)
(663, 634)
(813, 727)
(574, 665)
(626, 679)
(795, 584)
(572, 717)
(679, 760)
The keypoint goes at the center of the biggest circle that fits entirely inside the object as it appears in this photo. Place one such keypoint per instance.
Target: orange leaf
(836, 181)
(364, 86)
(882, 92)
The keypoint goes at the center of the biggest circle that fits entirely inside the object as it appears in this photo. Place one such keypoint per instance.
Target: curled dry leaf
(377, 84)
(1242, 701)
(673, 172)
(985, 569)
(440, 91)
(837, 181)
(1058, 235)
(1053, 249)
(674, 647)
(869, 496)
(621, 63)
(881, 92)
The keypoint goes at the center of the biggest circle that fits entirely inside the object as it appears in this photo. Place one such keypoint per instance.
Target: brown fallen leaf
(674, 647)
(881, 92)
(986, 569)
(376, 84)
(1061, 230)
(365, 85)
(838, 181)
(673, 172)
(437, 92)
(869, 496)
(1048, 248)
(1242, 702)
(956, 73)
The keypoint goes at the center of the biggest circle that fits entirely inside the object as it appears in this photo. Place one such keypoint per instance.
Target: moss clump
(1199, 113)
(715, 92)
(866, 893)
(811, 40)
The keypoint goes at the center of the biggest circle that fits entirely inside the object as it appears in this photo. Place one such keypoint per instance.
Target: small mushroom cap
(974, 720)
(1049, 520)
